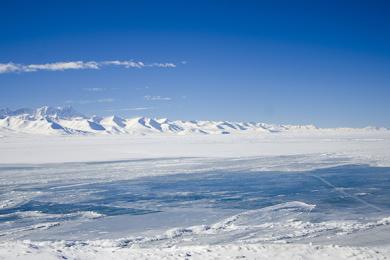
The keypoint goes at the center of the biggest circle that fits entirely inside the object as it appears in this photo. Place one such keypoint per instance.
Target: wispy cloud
(130, 109)
(99, 89)
(142, 88)
(138, 64)
(89, 101)
(157, 98)
(94, 89)
(8, 67)
(79, 65)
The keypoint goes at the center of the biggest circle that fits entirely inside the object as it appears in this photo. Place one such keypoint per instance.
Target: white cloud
(141, 88)
(105, 100)
(72, 65)
(138, 64)
(131, 109)
(88, 101)
(78, 65)
(157, 98)
(161, 65)
(126, 64)
(8, 67)
(94, 89)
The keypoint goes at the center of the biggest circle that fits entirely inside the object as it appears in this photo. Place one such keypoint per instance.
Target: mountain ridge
(68, 121)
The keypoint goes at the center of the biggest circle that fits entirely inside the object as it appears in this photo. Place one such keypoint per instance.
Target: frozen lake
(212, 207)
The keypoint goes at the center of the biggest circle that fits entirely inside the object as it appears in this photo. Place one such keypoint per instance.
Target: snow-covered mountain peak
(4, 112)
(66, 120)
(58, 112)
(113, 121)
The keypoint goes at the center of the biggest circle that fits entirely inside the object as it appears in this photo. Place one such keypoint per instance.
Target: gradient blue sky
(298, 62)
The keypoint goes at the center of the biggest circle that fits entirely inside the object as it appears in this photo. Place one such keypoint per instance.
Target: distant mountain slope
(67, 121)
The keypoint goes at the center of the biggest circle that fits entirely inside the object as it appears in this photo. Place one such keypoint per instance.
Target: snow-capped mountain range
(67, 121)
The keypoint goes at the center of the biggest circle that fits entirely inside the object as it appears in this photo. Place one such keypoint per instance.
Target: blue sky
(321, 62)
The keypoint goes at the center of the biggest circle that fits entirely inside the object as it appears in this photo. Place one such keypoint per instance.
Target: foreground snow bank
(67, 250)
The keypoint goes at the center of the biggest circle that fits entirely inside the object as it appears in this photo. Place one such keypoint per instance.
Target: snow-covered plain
(150, 189)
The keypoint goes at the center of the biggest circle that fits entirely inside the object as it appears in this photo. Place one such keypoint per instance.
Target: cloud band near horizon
(79, 65)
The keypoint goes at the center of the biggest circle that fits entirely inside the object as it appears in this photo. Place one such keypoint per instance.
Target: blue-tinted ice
(355, 194)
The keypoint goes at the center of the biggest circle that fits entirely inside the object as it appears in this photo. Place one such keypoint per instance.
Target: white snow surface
(74, 250)
(371, 148)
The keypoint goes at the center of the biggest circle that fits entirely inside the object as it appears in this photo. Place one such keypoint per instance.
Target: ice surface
(264, 206)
